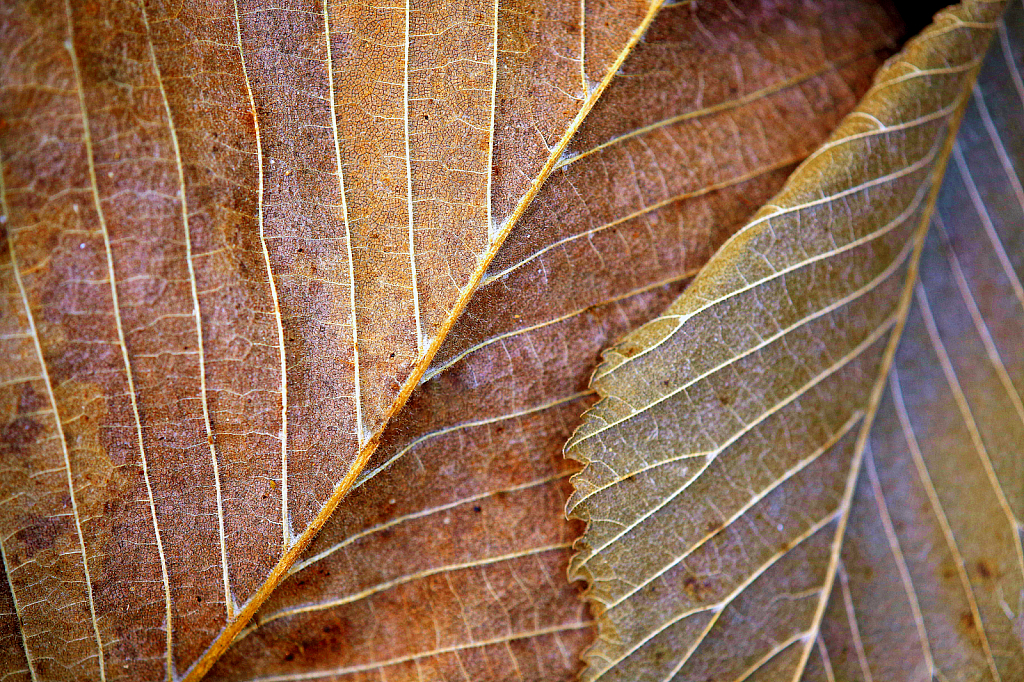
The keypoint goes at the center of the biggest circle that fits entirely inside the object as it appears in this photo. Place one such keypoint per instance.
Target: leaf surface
(235, 234)
(725, 465)
(447, 560)
(931, 573)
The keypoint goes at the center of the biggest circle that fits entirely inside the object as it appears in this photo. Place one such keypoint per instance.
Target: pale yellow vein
(986, 221)
(717, 608)
(851, 619)
(924, 476)
(408, 185)
(91, 161)
(229, 600)
(750, 503)
(362, 438)
(337, 672)
(419, 575)
(770, 654)
(438, 369)
(897, 553)
(826, 660)
(466, 425)
(968, 417)
(18, 611)
(286, 529)
(418, 515)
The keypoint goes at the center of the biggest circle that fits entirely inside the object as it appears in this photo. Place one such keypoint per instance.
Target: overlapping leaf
(931, 573)
(722, 462)
(447, 560)
(235, 233)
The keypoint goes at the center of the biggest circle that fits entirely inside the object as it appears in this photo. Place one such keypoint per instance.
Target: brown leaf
(447, 560)
(235, 234)
(727, 503)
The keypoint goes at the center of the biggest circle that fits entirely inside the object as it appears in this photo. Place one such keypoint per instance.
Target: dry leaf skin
(721, 463)
(447, 561)
(234, 236)
(932, 569)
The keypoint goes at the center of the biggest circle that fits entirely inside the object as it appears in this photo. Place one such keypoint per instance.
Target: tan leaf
(931, 573)
(733, 482)
(447, 560)
(235, 234)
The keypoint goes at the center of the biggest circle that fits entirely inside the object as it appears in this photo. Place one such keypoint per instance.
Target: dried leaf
(722, 462)
(235, 234)
(931, 573)
(447, 560)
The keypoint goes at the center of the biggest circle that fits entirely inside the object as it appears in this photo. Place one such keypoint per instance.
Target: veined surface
(447, 561)
(234, 235)
(751, 515)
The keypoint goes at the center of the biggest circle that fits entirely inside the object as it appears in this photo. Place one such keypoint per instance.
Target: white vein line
(17, 607)
(726, 105)
(851, 482)
(408, 185)
(691, 194)
(421, 514)
(852, 296)
(584, 110)
(860, 348)
(366, 667)
(465, 425)
(897, 553)
(229, 601)
(490, 138)
(826, 660)
(986, 221)
(750, 503)
(979, 322)
(968, 418)
(1011, 63)
(87, 136)
(940, 515)
(67, 462)
(997, 142)
(937, 115)
(434, 371)
(286, 529)
(851, 619)
(348, 234)
(718, 607)
(772, 653)
(918, 198)
(425, 573)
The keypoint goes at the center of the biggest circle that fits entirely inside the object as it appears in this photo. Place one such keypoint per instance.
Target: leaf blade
(437, 462)
(733, 369)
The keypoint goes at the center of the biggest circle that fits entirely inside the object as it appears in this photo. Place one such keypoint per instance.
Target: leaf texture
(447, 560)
(722, 461)
(931, 571)
(235, 233)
